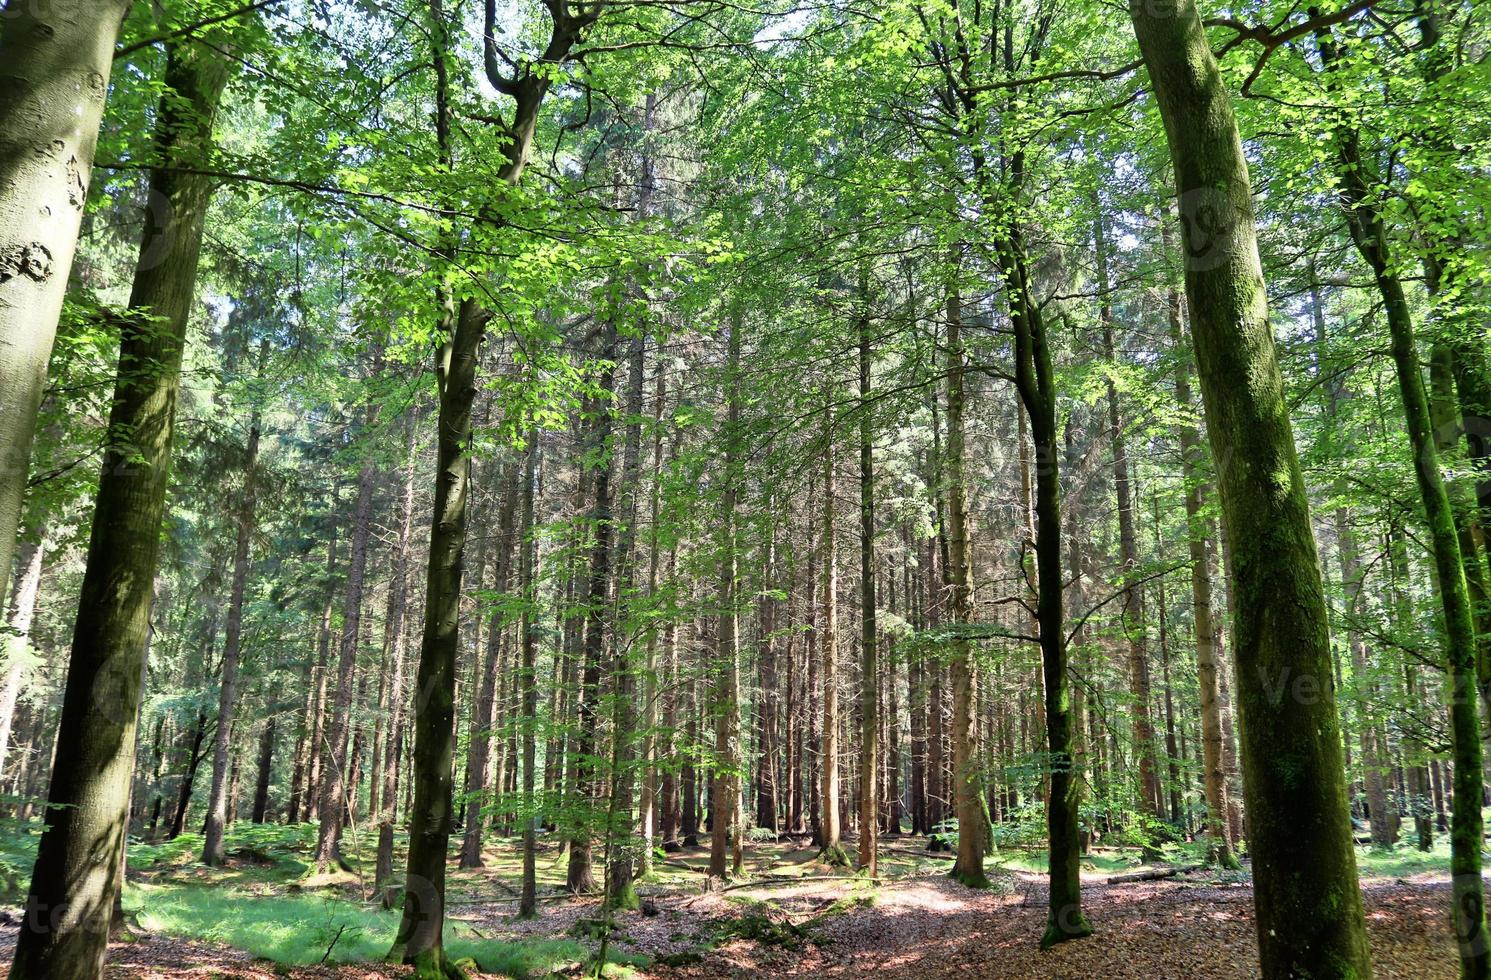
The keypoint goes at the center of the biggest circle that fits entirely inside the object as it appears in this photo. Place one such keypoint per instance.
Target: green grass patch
(1404, 861)
(302, 930)
(1035, 862)
(293, 930)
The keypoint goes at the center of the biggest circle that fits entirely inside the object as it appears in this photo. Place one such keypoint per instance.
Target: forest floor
(257, 920)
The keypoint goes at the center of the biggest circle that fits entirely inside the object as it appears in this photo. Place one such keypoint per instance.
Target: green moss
(626, 899)
(835, 856)
(761, 928)
(1071, 926)
(974, 878)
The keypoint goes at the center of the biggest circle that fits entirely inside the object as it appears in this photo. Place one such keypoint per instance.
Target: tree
(969, 868)
(87, 804)
(419, 940)
(217, 805)
(1308, 903)
(58, 58)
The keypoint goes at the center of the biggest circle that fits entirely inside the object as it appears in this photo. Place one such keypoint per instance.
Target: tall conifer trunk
(217, 799)
(869, 704)
(967, 784)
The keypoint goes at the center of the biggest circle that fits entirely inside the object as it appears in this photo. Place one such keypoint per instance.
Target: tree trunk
(967, 780)
(1036, 384)
(832, 848)
(726, 832)
(316, 699)
(527, 678)
(395, 638)
(579, 877)
(419, 939)
(334, 773)
(1309, 915)
(217, 800)
(189, 776)
(57, 57)
(1131, 610)
(22, 611)
(266, 762)
(650, 785)
(1198, 542)
(479, 739)
(869, 704)
(621, 859)
(78, 859)
(1466, 831)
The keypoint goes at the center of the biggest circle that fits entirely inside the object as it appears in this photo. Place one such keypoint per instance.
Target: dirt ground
(917, 927)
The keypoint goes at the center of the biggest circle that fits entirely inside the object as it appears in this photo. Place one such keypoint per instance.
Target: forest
(744, 488)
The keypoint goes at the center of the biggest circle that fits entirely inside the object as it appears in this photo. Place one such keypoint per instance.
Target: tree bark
(217, 800)
(967, 781)
(57, 56)
(1309, 913)
(78, 859)
(869, 703)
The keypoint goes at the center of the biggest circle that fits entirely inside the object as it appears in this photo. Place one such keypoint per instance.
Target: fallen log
(796, 880)
(1156, 874)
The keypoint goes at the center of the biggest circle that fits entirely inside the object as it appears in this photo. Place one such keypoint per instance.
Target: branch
(1056, 76)
(1272, 38)
(489, 53)
(1126, 587)
(171, 35)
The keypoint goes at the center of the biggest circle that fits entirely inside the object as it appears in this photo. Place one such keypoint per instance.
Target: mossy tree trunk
(1309, 913)
(420, 940)
(1358, 191)
(1035, 381)
(78, 860)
